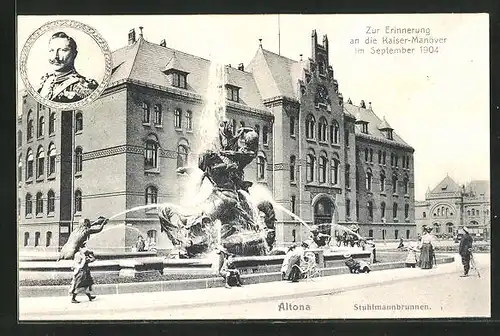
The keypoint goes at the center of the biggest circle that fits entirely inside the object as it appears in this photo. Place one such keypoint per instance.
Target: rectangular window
(158, 114)
(233, 93)
(179, 80)
(292, 126)
(347, 138)
(348, 208)
(178, 119)
(146, 114)
(189, 120)
(347, 176)
(293, 204)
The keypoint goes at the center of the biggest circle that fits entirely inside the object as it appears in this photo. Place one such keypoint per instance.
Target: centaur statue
(193, 233)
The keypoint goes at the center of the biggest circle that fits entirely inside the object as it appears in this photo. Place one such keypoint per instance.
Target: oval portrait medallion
(65, 64)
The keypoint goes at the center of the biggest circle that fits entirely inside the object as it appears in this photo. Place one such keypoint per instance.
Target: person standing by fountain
(427, 249)
(140, 246)
(290, 268)
(82, 279)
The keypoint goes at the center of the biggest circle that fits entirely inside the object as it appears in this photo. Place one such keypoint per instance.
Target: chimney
(363, 105)
(370, 105)
(241, 67)
(163, 43)
(140, 34)
(260, 42)
(131, 36)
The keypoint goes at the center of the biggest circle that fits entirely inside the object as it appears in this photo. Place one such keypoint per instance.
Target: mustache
(55, 62)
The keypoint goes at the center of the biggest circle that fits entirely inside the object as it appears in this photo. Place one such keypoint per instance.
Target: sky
(437, 102)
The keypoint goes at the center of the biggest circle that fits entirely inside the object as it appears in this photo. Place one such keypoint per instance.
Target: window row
(369, 182)
(48, 239)
(265, 132)
(158, 116)
(384, 234)
(39, 203)
(152, 149)
(39, 164)
(324, 131)
(30, 126)
(317, 170)
(477, 212)
(405, 160)
(382, 210)
(443, 211)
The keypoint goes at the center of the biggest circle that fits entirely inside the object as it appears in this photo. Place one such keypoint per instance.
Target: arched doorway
(324, 209)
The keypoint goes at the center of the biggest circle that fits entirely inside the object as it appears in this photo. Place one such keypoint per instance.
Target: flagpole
(279, 36)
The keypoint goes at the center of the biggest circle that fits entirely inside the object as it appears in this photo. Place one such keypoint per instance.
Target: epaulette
(85, 87)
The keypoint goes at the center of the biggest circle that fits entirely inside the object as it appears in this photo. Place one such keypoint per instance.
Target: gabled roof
(447, 185)
(145, 61)
(384, 125)
(367, 115)
(175, 64)
(274, 74)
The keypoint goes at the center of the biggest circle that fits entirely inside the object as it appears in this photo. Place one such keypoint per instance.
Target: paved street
(440, 292)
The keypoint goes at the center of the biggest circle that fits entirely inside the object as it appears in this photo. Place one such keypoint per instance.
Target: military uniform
(67, 88)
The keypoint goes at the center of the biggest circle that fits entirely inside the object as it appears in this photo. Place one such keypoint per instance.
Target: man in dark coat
(464, 249)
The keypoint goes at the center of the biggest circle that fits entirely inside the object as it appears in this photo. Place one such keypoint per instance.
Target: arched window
(379, 157)
(371, 155)
(292, 126)
(334, 132)
(178, 118)
(473, 212)
(310, 167)
(39, 203)
(158, 114)
(151, 152)
(392, 160)
(450, 227)
(182, 156)
(446, 212)
(382, 181)
(468, 212)
(370, 233)
(52, 159)
(424, 215)
(370, 210)
(394, 184)
(78, 159)
(292, 168)
(348, 207)
(52, 123)
(189, 120)
(439, 212)
(29, 205)
(29, 164)
(321, 66)
(294, 238)
(261, 167)
(79, 122)
(265, 135)
(322, 126)
(20, 168)
(396, 160)
(48, 238)
(407, 234)
(78, 201)
(369, 180)
(382, 210)
(19, 138)
(334, 170)
(37, 238)
(310, 125)
(151, 195)
(29, 128)
(146, 113)
(292, 204)
(395, 210)
(40, 162)
(322, 168)
(396, 234)
(407, 211)
(51, 200)
(26, 238)
(405, 185)
(367, 154)
(383, 158)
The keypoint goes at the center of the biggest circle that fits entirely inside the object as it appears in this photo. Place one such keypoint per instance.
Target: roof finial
(260, 42)
(141, 28)
(370, 106)
(300, 57)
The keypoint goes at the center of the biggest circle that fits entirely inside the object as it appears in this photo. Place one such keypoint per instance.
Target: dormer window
(233, 93)
(364, 128)
(389, 135)
(179, 79)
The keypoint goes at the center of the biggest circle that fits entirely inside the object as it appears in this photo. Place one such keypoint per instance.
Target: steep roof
(275, 75)
(479, 188)
(145, 61)
(367, 115)
(447, 185)
(384, 125)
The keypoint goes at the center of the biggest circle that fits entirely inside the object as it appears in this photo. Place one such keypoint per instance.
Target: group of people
(427, 257)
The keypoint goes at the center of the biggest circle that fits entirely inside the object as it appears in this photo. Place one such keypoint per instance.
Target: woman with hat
(82, 279)
(427, 249)
(226, 268)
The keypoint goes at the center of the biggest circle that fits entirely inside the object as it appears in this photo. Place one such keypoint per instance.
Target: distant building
(449, 207)
(320, 157)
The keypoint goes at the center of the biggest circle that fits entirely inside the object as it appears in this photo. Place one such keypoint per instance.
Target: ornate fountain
(227, 216)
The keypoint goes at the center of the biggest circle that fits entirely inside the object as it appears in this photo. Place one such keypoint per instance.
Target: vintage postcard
(253, 167)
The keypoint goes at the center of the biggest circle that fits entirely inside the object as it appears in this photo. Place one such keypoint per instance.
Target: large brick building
(319, 156)
(449, 207)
